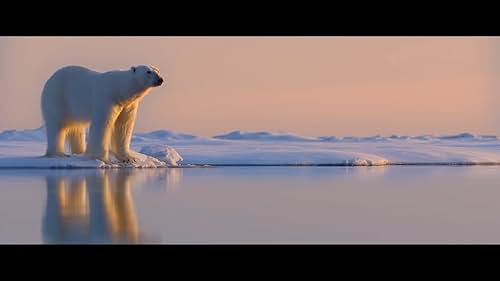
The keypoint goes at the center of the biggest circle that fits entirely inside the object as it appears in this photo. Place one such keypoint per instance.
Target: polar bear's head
(147, 76)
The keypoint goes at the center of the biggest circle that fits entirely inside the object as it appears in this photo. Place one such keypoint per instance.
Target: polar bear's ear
(133, 68)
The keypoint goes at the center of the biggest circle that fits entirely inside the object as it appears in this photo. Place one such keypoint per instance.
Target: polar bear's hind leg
(55, 140)
(76, 138)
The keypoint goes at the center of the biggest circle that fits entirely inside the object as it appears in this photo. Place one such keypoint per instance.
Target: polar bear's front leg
(100, 131)
(122, 133)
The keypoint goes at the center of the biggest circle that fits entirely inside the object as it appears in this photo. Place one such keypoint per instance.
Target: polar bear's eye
(149, 71)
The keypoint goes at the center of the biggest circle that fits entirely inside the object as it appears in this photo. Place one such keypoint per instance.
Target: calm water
(252, 205)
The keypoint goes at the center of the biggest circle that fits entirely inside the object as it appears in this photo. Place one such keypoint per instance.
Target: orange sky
(305, 85)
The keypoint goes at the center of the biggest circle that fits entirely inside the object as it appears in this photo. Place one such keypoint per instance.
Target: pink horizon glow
(305, 85)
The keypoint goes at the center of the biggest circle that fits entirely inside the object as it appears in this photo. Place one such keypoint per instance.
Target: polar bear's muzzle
(159, 81)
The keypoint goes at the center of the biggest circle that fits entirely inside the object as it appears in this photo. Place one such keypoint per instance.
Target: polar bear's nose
(160, 80)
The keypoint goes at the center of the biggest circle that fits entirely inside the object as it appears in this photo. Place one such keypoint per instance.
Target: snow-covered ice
(163, 148)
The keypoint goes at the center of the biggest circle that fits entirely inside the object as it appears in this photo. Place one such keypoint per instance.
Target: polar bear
(75, 97)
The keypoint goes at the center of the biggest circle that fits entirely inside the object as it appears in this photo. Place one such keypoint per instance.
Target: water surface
(397, 204)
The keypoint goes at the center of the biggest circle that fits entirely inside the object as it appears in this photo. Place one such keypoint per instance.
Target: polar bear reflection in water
(98, 207)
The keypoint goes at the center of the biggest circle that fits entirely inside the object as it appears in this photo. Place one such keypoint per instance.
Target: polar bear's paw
(130, 160)
(127, 158)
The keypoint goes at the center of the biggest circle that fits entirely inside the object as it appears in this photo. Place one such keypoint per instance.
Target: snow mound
(262, 136)
(164, 153)
(23, 135)
(165, 135)
(463, 136)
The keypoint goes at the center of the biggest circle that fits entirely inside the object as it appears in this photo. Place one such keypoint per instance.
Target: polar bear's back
(71, 78)
(69, 88)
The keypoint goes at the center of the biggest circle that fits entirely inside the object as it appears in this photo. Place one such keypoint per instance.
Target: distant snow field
(163, 148)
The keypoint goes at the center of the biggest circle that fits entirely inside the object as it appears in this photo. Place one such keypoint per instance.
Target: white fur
(76, 97)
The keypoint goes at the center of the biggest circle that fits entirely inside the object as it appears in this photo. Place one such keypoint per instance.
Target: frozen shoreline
(22, 149)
